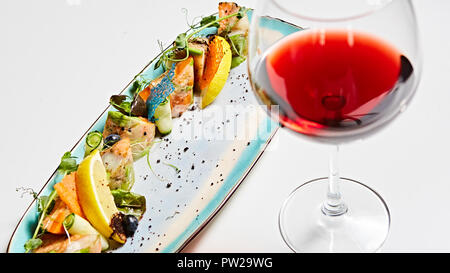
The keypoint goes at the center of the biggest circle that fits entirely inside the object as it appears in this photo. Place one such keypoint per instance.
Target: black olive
(130, 224)
(111, 140)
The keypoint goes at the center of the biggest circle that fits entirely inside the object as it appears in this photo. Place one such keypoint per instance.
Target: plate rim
(230, 192)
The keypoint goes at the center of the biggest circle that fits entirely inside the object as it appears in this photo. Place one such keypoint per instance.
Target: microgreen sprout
(182, 40)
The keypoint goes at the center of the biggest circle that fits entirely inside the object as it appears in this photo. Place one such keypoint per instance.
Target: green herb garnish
(42, 203)
(181, 42)
(238, 45)
(32, 244)
(210, 19)
(241, 13)
(68, 164)
(46, 204)
(129, 203)
(139, 84)
(122, 103)
(29, 191)
(177, 170)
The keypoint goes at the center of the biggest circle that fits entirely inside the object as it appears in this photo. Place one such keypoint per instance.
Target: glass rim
(328, 20)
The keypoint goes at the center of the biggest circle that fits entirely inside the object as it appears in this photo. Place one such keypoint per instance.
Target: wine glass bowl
(347, 72)
(339, 79)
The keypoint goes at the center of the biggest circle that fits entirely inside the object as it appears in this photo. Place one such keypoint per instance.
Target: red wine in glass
(335, 81)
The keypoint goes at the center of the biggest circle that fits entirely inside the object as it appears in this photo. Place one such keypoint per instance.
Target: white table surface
(60, 60)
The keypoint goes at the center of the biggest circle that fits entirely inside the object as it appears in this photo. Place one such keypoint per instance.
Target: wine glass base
(305, 228)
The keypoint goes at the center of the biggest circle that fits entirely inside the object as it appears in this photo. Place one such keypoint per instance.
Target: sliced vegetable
(67, 192)
(195, 51)
(129, 203)
(94, 140)
(218, 65)
(163, 118)
(77, 225)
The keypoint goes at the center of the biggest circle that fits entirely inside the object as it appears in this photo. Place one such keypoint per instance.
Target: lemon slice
(212, 85)
(95, 196)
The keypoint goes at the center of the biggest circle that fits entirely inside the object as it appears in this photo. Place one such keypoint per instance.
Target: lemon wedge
(214, 81)
(95, 196)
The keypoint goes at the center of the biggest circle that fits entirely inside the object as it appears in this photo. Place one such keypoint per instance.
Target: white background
(60, 61)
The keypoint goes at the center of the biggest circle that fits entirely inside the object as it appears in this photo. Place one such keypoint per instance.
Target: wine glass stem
(334, 205)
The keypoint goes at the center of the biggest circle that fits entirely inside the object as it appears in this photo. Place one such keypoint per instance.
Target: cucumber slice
(163, 117)
(94, 140)
(77, 225)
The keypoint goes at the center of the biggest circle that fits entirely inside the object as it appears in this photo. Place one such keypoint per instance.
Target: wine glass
(346, 71)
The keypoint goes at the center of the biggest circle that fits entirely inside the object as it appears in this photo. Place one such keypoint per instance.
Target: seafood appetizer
(93, 207)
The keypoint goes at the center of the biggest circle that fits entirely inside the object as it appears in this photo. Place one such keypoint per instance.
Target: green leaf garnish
(236, 61)
(129, 203)
(139, 84)
(121, 103)
(32, 244)
(242, 12)
(68, 164)
(46, 206)
(180, 41)
(238, 45)
(209, 19)
(45, 202)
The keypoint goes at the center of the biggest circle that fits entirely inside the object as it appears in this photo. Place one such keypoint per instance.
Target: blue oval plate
(214, 148)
